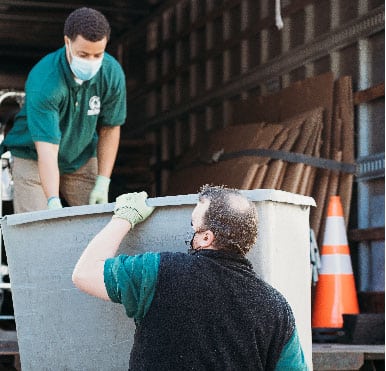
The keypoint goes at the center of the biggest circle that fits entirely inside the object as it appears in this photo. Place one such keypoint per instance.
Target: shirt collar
(222, 254)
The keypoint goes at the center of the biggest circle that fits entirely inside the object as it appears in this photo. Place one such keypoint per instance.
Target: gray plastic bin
(61, 328)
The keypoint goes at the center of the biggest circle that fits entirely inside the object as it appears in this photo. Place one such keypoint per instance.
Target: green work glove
(100, 192)
(132, 207)
(54, 203)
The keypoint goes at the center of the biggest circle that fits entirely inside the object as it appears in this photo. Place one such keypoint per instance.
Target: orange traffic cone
(335, 293)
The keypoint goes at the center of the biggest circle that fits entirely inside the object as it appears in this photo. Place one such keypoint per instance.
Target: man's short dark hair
(231, 217)
(88, 23)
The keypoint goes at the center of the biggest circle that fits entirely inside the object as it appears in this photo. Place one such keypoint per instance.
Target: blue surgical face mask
(84, 69)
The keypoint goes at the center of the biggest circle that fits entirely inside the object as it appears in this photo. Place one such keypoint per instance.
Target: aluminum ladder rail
(19, 97)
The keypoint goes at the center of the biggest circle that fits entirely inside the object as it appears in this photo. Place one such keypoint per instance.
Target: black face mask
(189, 243)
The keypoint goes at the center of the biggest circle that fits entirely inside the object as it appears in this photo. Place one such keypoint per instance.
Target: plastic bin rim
(256, 195)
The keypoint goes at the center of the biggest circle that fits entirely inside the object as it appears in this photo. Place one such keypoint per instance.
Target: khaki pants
(75, 188)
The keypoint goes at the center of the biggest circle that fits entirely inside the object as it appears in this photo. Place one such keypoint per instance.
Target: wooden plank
(308, 94)
(305, 144)
(237, 172)
(344, 356)
(346, 115)
(367, 95)
(334, 179)
(297, 98)
(276, 166)
(309, 185)
(367, 234)
(234, 138)
(230, 139)
(293, 177)
(337, 136)
(306, 184)
(319, 192)
(302, 96)
(252, 109)
(311, 182)
(259, 176)
(294, 125)
(281, 175)
(273, 175)
(308, 177)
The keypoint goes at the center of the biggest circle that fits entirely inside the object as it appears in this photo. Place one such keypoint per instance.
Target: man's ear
(207, 239)
(66, 41)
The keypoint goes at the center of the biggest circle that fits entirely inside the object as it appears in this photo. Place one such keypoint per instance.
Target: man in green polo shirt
(65, 138)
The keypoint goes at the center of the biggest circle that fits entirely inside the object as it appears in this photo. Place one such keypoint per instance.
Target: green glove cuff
(99, 194)
(129, 214)
(54, 203)
(102, 183)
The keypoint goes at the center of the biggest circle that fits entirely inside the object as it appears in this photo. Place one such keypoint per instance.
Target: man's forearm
(107, 150)
(48, 168)
(130, 209)
(88, 272)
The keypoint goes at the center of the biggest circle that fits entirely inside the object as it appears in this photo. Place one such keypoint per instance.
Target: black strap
(318, 162)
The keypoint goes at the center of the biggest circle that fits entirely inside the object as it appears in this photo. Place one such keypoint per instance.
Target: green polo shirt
(58, 110)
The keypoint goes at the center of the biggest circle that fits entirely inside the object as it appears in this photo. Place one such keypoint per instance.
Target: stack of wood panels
(300, 134)
(313, 117)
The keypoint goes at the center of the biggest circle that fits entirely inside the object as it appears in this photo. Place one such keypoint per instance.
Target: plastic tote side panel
(61, 328)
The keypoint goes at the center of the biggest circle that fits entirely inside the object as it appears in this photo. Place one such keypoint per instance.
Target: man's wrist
(102, 181)
(124, 222)
(54, 202)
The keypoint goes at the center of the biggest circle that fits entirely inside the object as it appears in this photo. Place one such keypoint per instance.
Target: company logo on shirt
(95, 106)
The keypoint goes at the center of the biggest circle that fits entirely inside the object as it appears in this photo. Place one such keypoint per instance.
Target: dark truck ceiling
(30, 29)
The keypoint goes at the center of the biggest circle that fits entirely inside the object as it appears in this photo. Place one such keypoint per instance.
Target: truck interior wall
(200, 57)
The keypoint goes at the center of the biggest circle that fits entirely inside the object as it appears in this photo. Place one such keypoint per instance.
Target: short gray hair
(231, 217)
